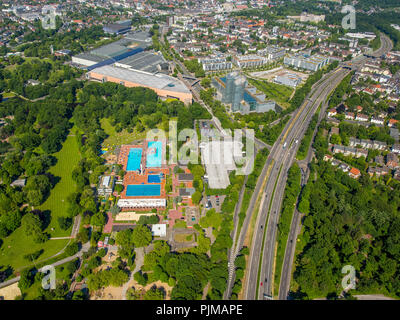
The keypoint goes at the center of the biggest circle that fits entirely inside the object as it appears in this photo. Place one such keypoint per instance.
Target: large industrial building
(305, 61)
(131, 44)
(164, 85)
(234, 90)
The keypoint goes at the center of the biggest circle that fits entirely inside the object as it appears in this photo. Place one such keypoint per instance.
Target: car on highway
(267, 296)
(284, 145)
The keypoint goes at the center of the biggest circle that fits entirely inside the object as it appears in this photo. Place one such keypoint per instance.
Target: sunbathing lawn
(115, 138)
(17, 244)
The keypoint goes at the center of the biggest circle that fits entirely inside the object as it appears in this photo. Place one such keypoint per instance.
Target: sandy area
(115, 293)
(126, 216)
(10, 292)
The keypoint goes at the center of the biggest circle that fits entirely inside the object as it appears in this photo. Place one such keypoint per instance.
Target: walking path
(139, 259)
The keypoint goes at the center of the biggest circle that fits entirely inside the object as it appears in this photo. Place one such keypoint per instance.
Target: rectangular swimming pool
(154, 154)
(153, 178)
(137, 190)
(134, 159)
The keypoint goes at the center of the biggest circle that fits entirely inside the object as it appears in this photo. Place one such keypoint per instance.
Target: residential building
(249, 61)
(305, 61)
(362, 117)
(354, 173)
(392, 161)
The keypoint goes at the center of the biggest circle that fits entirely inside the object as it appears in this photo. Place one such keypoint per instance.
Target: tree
(32, 226)
(141, 236)
(64, 222)
(26, 279)
(196, 197)
(140, 278)
(154, 294)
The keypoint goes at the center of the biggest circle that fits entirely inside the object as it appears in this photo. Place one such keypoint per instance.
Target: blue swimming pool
(134, 159)
(154, 150)
(153, 178)
(136, 190)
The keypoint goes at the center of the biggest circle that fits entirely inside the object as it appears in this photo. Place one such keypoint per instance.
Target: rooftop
(159, 81)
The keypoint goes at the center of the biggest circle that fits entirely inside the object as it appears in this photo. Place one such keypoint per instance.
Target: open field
(279, 93)
(17, 244)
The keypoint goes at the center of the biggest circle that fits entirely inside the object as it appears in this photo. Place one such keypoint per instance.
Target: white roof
(159, 230)
(159, 81)
(141, 203)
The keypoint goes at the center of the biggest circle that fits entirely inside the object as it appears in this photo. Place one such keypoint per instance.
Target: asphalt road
(276, 186)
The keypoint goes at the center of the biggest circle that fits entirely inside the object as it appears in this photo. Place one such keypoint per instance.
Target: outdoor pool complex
(153, 159)
(134, 158)
(137, 190)
(153, 178)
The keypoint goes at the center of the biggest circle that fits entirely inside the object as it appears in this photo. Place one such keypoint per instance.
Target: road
(386, 46)
(271, 161)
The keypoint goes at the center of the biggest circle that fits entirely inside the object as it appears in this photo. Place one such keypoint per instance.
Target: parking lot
(215, 201)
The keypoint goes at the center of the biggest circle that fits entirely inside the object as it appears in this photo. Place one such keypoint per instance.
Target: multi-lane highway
(261, 260)
(265, 233)
(284, 287)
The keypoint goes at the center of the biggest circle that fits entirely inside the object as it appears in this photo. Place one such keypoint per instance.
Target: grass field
(118, 138)
(279, 93)
(17, 244)
(183, 237)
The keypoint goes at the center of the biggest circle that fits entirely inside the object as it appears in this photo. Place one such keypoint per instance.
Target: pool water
(153, 178)
(154, 157)
(135, 190)
(134, 159)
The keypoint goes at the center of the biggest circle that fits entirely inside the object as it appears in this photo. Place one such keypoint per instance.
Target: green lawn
(118, 138)
(277, 92)
(17, 244)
